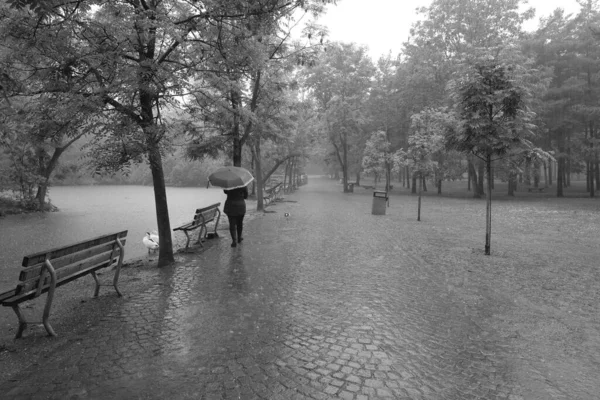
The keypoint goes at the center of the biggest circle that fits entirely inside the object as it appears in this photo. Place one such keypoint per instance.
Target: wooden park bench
(279, 192)
(271, 194)
(536, 189)
(43, 272)
(202, 217)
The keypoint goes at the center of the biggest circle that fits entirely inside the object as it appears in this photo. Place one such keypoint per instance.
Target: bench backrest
(273, 189)
(206, 214)
(73, 260)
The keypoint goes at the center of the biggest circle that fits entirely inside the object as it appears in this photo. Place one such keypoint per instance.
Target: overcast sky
(384, 25)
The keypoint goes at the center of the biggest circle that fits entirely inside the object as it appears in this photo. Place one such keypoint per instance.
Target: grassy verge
(538, 291)
(459, 189)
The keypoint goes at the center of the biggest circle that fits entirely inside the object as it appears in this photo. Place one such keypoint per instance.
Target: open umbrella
(230, 177)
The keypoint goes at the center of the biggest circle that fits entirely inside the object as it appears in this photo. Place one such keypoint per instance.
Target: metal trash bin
(350, 187)
(380, 199)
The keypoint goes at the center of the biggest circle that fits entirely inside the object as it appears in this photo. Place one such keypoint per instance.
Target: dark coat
(235, 205)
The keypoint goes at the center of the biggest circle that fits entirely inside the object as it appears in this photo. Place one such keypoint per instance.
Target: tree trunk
(512, 183)
(258, 174)
(289, 172)
(236, 155)
(597, 166)
(527, 173)
(388, 176)
(481, 178)
(536, 175)
(469, 167)
(253, 164)
(488, 212)
(345, 161)
(46, 170)
(474, 184)
(276, 166)
(591, 178)
(439, 186)
(42, 190)
(285, 177)
(587, 176)
(550, 168)
(165, 254)
(567, 170)
(560, 175)
(567, 166)
(419, 201)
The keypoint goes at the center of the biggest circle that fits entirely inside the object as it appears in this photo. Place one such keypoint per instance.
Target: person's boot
(239, 234)
(233, 232)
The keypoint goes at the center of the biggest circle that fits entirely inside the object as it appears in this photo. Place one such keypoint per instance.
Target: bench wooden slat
(205, 216)
(186, 226)
(211, 207)
(37, 258)
(73, 268)
(7, 295)
(58, 263)
(30, 294)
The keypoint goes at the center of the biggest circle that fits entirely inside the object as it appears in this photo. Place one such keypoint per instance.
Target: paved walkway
(325, 303)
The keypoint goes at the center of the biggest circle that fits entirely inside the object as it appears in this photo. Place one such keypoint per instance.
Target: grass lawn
(540, 287)
(9, 206)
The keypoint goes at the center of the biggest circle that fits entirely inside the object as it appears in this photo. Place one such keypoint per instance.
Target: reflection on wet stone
(293, 312)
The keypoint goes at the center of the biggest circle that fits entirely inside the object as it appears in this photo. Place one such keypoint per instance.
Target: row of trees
(141, 76)
(471, 91)
(371, 110)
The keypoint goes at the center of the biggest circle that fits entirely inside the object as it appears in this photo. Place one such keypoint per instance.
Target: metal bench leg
(22, 321)
(217, 222)
(200, 236)
(49, 298)
(97, 289)
(187, 244)
(118, 268)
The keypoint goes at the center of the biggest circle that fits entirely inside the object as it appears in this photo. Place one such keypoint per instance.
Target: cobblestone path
(329, 302)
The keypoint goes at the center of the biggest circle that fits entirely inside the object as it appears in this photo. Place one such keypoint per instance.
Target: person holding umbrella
(234, 181)
(235, 209)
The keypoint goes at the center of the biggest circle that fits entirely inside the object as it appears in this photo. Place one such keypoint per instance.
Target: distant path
(330, 302)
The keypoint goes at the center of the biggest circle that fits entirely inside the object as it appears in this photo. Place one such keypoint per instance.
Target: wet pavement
(328, 302)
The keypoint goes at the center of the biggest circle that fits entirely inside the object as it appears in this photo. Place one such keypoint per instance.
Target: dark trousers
(236, 226)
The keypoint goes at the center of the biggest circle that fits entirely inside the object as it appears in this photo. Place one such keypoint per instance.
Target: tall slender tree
(492, 98)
